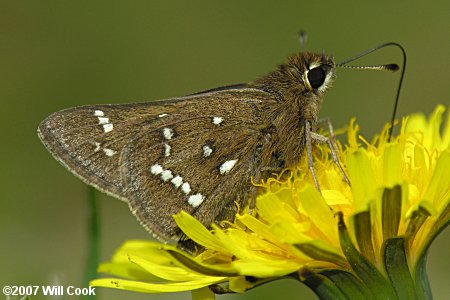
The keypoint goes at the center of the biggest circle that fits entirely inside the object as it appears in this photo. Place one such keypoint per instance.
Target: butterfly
(196, 153)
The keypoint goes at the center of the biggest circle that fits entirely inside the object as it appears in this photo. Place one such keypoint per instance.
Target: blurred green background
(58, 54)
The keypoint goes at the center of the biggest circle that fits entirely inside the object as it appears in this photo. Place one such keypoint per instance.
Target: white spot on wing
(108, 127)
(196, 200)
(217, 120)
(97, 147)
(207, 150)
(167, 150)
(186, 188)
(103, 120)
(166, 175)
(168, 133)
(109, 152)
(227, 166)
(99, 113)
(162, 115)
(156, 169)
(177, 181)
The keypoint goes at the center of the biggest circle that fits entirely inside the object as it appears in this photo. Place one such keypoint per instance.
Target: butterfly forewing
(166, 156)
(88, 140)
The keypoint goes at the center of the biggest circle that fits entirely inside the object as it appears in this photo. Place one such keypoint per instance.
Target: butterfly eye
(316, 77)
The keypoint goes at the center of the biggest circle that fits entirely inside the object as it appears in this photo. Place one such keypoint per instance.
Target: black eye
(316, 77)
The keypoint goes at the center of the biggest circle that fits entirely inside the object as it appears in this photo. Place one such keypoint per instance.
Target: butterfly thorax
(299, 86)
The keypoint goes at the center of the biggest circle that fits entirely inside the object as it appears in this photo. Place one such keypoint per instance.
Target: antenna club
(392, 67)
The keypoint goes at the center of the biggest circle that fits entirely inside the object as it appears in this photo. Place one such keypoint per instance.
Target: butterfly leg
(308, 135)
(333, 146)
(317, 138)
(327, 122)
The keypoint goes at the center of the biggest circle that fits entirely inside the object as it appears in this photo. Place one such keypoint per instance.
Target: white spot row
(227, 166)
(207, 150)
(217, 120)
(156, 169)
(108, 127)
(104, 121)
(108, 152)
(177, 181)
(196, 200)
(167, 133)
(186, 188)
(167, 150)
(167, 175)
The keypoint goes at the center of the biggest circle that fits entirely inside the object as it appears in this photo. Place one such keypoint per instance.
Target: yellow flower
(367, 240)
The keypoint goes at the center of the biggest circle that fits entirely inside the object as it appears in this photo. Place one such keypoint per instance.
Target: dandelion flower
(367, 240)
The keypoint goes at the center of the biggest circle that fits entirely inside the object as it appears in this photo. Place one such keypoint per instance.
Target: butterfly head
(304, 75)
(315, 72)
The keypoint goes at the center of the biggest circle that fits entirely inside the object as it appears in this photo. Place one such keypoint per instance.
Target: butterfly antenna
(302, 38)
(387, 67)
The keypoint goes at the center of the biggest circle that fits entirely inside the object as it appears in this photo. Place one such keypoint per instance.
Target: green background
(58, 54)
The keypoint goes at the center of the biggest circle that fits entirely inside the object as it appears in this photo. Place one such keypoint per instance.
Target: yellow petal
(196, 231)
(438, 191)
(392, 170)
(362, 178)
(269, 268)
(319, 213)
(171, 273)
(145, 287)
(126, 270)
